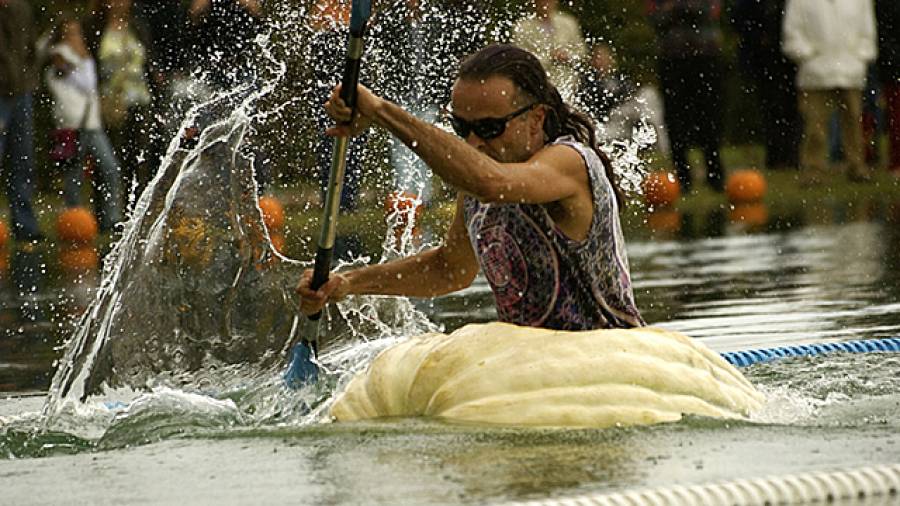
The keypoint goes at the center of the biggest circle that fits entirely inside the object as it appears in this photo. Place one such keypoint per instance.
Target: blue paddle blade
(359, 17)
(301, 370)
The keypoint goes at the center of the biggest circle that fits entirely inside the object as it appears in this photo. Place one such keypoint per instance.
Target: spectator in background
(771, 75)
(168, 47)
(72, 80)
(225, 46)
(832, 44)
(887, 14)
(120, 51)
(555, 38)
(225, 30)
(691, 69)
(612, 99)
(604, 88)
(18, 80)
(168, 65)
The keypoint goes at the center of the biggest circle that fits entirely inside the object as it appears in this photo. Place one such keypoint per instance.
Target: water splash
(841, 389)
(195, 306)
(194, 283)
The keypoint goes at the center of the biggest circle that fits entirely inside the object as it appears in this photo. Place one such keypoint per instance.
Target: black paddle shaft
(349, 82)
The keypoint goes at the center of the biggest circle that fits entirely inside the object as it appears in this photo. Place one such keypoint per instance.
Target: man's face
(497, 97)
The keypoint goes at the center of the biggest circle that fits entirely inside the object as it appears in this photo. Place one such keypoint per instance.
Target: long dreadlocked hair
(529, 76)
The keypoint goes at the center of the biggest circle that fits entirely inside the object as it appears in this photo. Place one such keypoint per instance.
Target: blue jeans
(17, 133)
(108, 191)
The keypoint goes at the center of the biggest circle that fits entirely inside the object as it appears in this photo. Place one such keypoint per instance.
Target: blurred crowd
(825, 75)
(111, 71)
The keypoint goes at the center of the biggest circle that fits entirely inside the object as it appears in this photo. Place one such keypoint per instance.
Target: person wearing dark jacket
(887, 15)
(225, 30)
(18, 80)
(691, 70)
(771, 75)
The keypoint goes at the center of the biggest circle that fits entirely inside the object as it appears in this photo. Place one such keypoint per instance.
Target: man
(691, 70)
(18, 79)
(537, 209)
(225, 30)
(832, 44)
(555, 38)
(770, 76)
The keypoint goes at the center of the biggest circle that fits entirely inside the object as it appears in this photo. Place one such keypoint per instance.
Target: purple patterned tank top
(540, 277)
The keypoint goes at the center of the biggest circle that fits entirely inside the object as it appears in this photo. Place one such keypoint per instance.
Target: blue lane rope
(750, 357)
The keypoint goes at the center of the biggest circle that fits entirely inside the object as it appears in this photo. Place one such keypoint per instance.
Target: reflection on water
(711, 277)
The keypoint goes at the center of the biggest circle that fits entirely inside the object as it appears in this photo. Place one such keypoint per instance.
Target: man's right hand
(312, 301)
(366, 105)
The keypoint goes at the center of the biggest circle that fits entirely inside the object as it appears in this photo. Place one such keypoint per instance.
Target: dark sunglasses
(485, 128)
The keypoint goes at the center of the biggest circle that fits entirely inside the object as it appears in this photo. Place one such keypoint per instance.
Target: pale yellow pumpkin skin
(501, 374)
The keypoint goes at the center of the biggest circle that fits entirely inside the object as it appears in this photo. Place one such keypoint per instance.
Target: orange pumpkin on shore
(76, 225)
(78, 259)
(665, 221)
(745, 186)
(753, 215)
(660, 189)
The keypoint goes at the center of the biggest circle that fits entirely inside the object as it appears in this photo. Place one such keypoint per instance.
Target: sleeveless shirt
(542, 278)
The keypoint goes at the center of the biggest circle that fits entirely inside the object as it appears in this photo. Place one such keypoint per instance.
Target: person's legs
(871, 123)
(814, 146)
(651, 110)
(709, 119)
(73, 173)
(850, 109)
(781, 122)
(675, 111)
(892, 101)
(109, 189)
(21, 177)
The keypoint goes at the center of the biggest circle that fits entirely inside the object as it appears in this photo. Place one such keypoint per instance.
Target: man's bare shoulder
(563, 158)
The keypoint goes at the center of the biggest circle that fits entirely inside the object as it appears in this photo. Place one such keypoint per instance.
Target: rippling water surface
(734, 291)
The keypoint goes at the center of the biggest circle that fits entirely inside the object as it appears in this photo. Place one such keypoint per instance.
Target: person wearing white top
(832, 42)
(72, 80)
(555, 37)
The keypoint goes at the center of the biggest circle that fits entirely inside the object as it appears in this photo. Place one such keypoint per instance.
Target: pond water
(718, 283)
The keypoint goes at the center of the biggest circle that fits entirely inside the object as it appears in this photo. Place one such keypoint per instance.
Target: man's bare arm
(555, 173)
(438, 271)
(434, 272)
